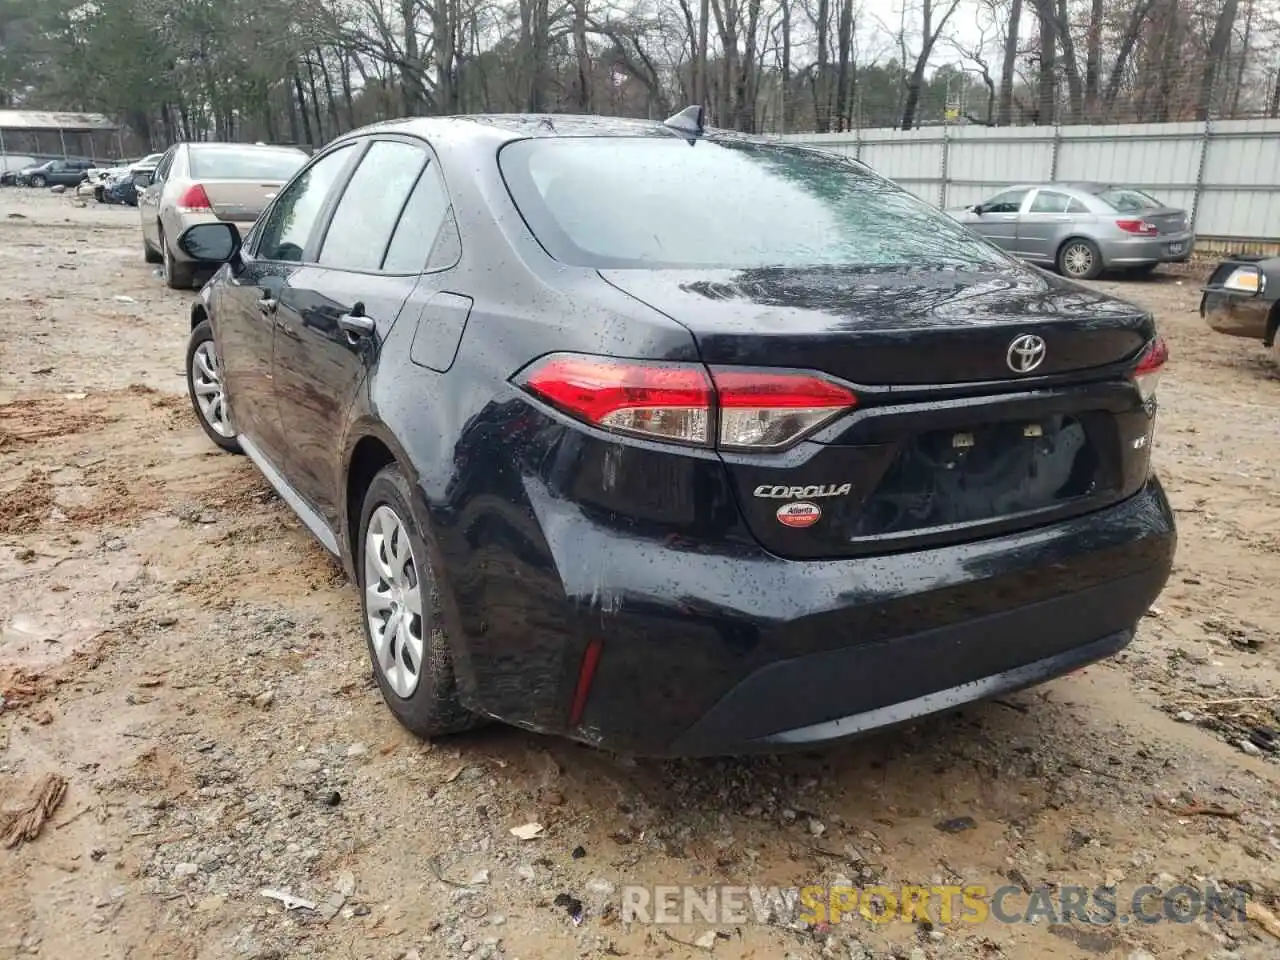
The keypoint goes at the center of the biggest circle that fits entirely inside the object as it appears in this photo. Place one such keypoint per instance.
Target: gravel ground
(175, 646)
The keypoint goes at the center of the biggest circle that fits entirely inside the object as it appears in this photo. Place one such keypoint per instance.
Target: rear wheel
(204, 385)
(150, 253)
(177, 275)
(403, 625)
(1080, 259)
(39, 181)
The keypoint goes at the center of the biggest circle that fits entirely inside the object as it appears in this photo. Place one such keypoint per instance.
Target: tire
(425, 699)
(1079, 259)
(150, 253)
(38, 181)
(177, 276)
(210, 407)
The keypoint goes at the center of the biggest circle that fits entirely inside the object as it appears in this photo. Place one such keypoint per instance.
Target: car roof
(497, 128)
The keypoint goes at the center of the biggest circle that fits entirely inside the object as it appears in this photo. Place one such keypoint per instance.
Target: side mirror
(211, 242)
(142, 180)
(977, 209)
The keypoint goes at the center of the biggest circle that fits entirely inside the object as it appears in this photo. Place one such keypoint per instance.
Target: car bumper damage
(648, 648)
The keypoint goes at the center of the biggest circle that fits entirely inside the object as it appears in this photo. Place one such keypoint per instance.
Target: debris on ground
(289, 900)
(24, 824)
(527, 831)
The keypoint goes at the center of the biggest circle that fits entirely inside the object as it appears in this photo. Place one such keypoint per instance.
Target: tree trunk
(1218, 45)
(1093, 61)
(784, 120)
(1005, 113)
(1048, 101)
(583, 55)
(330, 99)
(821, 101)
(1075, 89)
(844, 46)
(302, 109)
(347, 98)
(704, 26)
(315, 100)
(1128, 41)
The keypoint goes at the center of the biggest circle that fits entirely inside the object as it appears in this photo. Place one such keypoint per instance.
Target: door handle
(356, 325)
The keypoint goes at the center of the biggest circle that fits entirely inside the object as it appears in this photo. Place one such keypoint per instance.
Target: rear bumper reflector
(586, 673)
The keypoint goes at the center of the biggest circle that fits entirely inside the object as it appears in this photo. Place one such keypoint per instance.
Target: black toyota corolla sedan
(681, 442)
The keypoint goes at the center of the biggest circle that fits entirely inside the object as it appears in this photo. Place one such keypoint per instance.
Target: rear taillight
(770, 409)
(1146, 376)
(730, 408)
(1144, 227)
(194, 200)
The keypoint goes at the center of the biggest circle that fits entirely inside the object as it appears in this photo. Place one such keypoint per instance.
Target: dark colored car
(68, 173)
(680, 442)
(125, 190)
(1242, 298)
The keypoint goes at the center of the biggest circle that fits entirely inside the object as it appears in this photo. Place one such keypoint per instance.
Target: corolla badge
(1025, 353)
(770, 492)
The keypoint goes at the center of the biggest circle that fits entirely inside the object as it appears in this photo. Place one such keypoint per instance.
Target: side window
(419, 227)
(366, 215)
(289, 222)
(1075, 206)
(1047, 201)
(1008, 202)
(162, 168)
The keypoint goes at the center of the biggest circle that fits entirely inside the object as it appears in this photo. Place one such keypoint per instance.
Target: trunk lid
(1168, 219)
(240, 201)
(892, 326)
(946, 442)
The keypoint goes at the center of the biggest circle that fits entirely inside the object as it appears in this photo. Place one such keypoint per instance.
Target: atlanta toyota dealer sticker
(802, 514)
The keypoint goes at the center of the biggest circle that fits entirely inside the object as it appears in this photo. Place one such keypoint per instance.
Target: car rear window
(244, 163)
(653, 202)
(1128, 200)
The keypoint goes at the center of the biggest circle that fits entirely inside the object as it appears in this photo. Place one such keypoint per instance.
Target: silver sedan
(1081, 229)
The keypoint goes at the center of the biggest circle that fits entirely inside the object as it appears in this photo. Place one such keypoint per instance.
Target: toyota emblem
(1025, 353)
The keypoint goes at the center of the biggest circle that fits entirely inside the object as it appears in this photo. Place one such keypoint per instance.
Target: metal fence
(1225, 172)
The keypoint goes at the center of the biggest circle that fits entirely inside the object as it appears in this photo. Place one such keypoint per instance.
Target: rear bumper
(1139, 251)
(1236, 316)
(706, 653)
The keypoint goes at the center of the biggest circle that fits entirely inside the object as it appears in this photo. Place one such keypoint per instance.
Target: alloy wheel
(1078, 260)
(393, 601)
(206, 381)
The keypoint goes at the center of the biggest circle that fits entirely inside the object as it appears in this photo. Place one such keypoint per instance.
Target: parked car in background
(1242, 299)
(124, 189)
(678, 442)
(66, 173)
(202, 182)
(126, 176)
(1081, 229)
(11, 164)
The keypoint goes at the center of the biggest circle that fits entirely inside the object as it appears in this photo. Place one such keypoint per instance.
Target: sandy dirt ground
(176, 647)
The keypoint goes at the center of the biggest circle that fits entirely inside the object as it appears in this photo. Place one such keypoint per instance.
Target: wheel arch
(1273, 324)
(199, 313)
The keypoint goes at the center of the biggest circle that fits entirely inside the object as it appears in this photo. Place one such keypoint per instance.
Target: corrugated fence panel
(1237, 164)
(982, 162)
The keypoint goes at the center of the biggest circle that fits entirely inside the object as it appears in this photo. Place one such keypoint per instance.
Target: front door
(998, 219)
(1046, 223)
(336, 311)
(257, 301)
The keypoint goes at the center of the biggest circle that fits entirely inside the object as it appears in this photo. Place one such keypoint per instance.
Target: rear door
(149, 199)
(368, 261)
(245, 325)
(998, 221)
